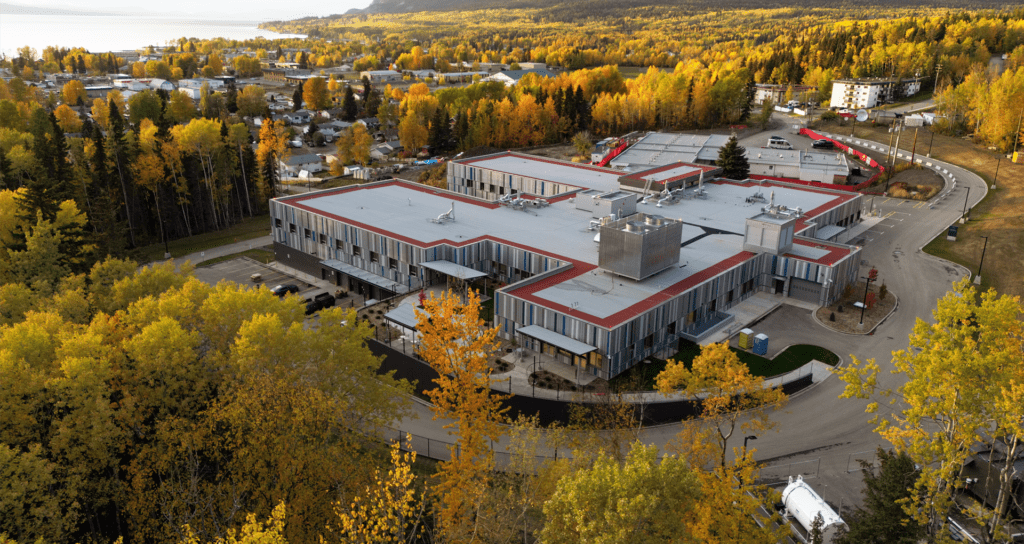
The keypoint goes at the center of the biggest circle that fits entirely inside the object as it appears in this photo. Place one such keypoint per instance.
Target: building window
(339, 245)
(649, 342)
(413, 271)
(501, 190)
(307, 233)
(323, 238)
(357, 251)
(291, 228)
(374, 258)
(481, 186)
(277, 223)
(393, 264)
(492, 187)
(671, 328)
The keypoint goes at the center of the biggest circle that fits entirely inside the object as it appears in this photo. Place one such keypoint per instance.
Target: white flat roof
(587, 177)
(712, 232)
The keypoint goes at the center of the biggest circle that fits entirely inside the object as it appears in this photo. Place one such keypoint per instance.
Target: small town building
(301, 161)
(661, 149)
(381, 76)
(870, 92)
(386, 150)
(512, 77)
(777, 93)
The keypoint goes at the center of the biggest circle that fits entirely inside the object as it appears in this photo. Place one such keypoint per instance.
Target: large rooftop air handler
(640, 245)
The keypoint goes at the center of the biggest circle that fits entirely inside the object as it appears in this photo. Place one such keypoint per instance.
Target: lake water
(99, 33)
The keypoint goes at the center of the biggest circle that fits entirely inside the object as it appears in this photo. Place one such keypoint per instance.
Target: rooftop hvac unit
(640, 245)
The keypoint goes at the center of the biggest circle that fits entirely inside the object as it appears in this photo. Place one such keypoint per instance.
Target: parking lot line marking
(886, 200)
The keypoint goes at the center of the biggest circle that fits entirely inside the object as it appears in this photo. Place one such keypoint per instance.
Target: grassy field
(261, 255)
(642, 376)
(999, 216)
(245, 230)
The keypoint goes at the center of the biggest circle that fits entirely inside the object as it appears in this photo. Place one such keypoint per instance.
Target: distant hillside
(21, 9)
(592, 7)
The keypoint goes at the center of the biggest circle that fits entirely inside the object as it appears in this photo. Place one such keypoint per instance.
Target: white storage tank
(803, 504)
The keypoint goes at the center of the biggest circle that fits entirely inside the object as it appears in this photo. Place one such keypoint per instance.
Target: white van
(776, 142)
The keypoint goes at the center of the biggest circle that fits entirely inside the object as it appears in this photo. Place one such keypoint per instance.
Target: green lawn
(641, 377)
(247, 229)
(260, 255)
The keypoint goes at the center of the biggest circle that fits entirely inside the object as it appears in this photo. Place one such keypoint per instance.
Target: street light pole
(995, 178)
(745, 438)
(867, 284)
(930, 142)
(964, 214)
(977, 279)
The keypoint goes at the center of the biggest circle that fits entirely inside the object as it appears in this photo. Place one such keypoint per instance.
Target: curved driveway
(817, 429)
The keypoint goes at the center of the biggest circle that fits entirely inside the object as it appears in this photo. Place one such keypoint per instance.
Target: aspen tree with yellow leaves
(963, 389)
(389, 510)
(729, 393)
(456, 343)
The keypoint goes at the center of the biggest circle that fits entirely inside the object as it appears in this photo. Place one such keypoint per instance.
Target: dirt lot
(1000, 216)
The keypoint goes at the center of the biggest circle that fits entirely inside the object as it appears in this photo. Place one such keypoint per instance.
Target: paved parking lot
(241, 269)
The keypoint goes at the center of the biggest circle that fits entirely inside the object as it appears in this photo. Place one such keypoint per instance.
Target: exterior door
(805, 290)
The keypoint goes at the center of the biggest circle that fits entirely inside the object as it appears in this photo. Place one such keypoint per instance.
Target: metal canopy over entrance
(829, 232)
(404, 315)
(551, 337)
(449, 268)
(368, 277)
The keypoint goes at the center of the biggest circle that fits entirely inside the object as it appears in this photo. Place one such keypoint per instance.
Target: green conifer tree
(732, 160)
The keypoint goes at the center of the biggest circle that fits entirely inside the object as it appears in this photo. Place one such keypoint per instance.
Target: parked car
(823, 144)
(282, 290)
(319, 302)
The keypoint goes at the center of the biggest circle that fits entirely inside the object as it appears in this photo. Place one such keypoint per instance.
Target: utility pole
(913, 150)
(964, 214)
(895, 150)
(977, 279)
(999, 161)
(1016, 135)
(930, 142)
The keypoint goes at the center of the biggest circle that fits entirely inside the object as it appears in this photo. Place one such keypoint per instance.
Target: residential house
(385, 150)
(301, 160)
(301, 117)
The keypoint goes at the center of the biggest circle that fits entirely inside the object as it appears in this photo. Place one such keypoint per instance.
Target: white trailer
(803, 504)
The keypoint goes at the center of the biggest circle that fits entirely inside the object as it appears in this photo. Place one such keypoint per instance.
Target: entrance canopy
(368, 277)
(557, 340)
(404, 315)
(449, 268)
(829, 232)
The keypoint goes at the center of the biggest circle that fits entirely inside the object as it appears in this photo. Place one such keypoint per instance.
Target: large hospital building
(597, 268)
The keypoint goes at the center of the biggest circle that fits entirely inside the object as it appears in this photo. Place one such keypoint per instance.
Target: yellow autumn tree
(388, 510)
(456, 344)
(729, 393)
(253, 532)
(963, 388)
